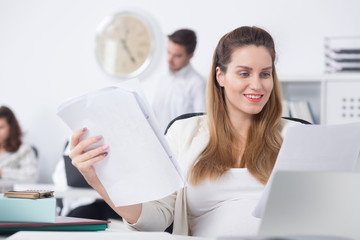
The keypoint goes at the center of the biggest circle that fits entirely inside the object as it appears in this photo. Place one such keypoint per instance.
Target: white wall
(47, 48)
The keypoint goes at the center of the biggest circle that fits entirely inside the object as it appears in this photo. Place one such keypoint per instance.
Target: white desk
(60, 192)
(103, 235)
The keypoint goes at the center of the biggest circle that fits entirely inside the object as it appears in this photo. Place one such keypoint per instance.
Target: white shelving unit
(334, 98)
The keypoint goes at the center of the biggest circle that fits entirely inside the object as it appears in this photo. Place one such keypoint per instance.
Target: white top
(179, 93)
(231, 198)
(187, 138)
(21, 165)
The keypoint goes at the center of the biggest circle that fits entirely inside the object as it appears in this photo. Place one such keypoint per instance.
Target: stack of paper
(139, 166)
(342, 54)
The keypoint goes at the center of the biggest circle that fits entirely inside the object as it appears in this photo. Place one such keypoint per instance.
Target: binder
(61, 224)
(27, 210)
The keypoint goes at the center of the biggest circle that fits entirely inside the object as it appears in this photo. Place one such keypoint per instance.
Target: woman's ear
(220, 77)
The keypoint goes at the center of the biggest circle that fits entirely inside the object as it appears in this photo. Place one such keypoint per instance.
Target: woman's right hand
(84, 161)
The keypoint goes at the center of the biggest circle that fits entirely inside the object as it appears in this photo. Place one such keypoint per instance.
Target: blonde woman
(227, 154)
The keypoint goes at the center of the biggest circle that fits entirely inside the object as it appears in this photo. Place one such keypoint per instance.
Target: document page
(139, 166)
(316, 148)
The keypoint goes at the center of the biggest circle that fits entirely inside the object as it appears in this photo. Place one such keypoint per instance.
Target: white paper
(139, 166)
(316, 148)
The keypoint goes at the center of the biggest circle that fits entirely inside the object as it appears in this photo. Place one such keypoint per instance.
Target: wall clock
(127, 44)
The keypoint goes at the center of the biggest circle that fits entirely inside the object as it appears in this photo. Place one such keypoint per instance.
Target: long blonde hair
(263, 141)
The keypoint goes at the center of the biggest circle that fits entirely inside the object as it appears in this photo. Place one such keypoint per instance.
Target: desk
(103, 235)
(60, 192)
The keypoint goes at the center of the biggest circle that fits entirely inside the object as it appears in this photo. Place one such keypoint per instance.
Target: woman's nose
(255, 83)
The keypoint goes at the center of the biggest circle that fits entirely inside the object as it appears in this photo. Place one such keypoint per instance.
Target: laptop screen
(313, 204)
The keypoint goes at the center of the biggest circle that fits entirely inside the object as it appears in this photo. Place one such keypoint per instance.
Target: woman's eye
(244, 74)
(265, 75)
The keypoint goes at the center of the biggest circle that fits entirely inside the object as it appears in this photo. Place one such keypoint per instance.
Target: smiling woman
(227, 155)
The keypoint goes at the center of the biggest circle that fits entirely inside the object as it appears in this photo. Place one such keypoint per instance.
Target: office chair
(189, 115)
(36, 152)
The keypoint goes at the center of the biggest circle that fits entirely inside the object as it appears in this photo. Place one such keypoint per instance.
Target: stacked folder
(60, 224)
(342, 54)
(27, 210)
(27, 214)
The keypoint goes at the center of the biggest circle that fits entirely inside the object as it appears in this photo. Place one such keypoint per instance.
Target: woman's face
(248, 81)
(4, 130)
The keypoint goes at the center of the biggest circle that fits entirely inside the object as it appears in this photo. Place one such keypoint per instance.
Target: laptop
(319, 205)
(73, 176)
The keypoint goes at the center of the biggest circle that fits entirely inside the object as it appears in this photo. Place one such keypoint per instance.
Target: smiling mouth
(254, 97)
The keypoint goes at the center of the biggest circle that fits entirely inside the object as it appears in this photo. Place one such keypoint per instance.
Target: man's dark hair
(186, 38)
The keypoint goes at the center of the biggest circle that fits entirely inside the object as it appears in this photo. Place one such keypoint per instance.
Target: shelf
(342, 76)
(300, 78)
(323, 92)
(320, 77)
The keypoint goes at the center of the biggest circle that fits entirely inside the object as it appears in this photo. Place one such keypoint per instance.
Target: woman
(227, 155)
(17, 159)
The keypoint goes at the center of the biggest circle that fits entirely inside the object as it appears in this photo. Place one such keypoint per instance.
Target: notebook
(73, 176)
(318, 204)
(61, 224)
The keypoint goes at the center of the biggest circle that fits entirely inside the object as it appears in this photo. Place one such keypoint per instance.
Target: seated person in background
(17, 159)
(80, 207)
(227, 155)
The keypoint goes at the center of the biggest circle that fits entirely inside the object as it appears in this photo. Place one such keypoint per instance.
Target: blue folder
(27, 210)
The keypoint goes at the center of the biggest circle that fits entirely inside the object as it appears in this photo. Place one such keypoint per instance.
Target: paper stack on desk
(27, 210)
(139, 166)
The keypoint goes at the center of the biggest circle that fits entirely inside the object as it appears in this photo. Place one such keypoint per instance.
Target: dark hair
(186, 38)
(264, 140)
(13, 142)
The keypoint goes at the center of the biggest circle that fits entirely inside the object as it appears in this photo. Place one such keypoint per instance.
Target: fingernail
(99, 137)
(83, 130)
(104, 147)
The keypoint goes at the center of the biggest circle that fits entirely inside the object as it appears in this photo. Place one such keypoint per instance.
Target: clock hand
(127, 50)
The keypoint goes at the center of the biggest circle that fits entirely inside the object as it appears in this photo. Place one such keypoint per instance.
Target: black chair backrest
(189, 115)
(35, 151)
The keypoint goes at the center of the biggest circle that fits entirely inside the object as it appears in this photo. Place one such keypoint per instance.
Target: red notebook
(61, 224)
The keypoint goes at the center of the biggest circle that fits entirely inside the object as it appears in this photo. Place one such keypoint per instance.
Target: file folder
(61, 224)
(27, 210)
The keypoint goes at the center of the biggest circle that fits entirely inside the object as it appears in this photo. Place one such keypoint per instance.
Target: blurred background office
(48, 50)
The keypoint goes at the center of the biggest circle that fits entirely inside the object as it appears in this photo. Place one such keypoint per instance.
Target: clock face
(124, 45)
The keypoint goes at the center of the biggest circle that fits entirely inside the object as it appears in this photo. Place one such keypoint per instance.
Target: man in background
(182, 90)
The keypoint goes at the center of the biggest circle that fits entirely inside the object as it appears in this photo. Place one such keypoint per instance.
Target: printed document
(332, 148)
(139, 166)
